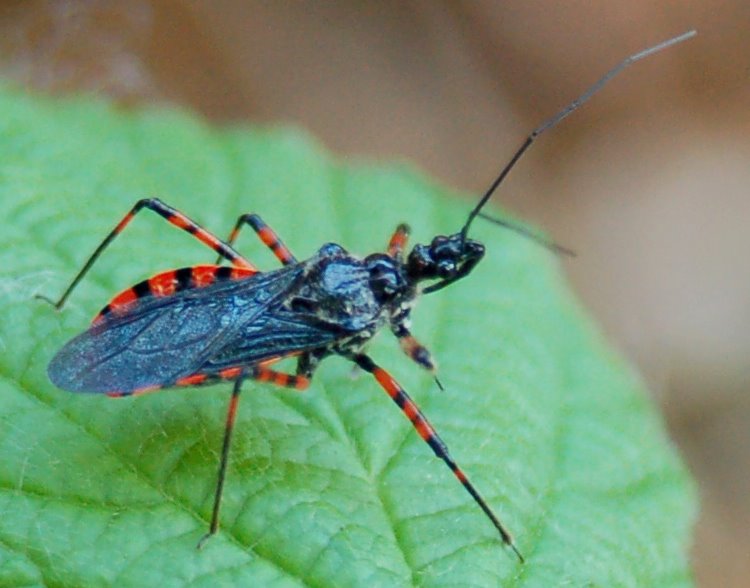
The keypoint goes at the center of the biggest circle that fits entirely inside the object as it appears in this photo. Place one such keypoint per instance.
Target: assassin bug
(206, 323)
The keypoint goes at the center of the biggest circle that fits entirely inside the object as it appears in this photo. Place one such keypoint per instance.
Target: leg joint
(253, 220)
(152, 203)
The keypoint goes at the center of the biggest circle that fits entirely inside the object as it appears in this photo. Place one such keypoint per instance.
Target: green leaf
(331, 487)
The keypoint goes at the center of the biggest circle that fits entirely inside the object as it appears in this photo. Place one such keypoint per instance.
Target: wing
(158, 341)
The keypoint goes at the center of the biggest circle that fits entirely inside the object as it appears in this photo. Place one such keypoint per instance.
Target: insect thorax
(343, 292)
(336, 289)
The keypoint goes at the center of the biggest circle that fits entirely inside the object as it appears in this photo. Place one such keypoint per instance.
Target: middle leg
(261, 373)
(267, 235)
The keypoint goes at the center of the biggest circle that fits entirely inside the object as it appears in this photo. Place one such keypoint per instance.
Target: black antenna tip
(554, 247)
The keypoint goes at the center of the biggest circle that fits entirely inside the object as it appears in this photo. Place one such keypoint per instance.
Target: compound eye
(420, 258)
(446, 247)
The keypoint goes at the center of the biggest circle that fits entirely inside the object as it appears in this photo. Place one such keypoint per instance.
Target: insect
(207, 323)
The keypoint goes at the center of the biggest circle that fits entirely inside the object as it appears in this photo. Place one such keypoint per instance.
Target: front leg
(266, 234)
(428, 433)
(417, 352)
(398, 241)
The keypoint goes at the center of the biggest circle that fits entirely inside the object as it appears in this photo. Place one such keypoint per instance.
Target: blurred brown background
(649, 182)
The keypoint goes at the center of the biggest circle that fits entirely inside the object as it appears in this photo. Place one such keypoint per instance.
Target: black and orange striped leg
(267, 235)
(417, 352)
(262, 374)
(430, 436)
(173, 216)
(398, 241)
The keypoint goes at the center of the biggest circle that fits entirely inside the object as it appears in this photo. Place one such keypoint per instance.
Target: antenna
(552, 246)
(549, 123)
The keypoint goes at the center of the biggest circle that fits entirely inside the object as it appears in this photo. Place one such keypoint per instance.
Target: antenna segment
(553, 121)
